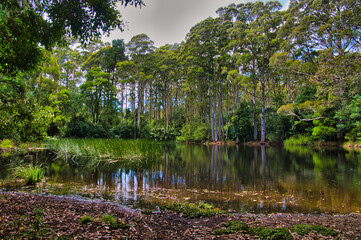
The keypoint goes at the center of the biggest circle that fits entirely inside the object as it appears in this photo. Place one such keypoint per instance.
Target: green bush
(324, 133)
(124, 130)
(79, 127)
(195, 132)
(298, 140)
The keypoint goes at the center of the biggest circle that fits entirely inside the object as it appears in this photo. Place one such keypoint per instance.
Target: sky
(167, 21)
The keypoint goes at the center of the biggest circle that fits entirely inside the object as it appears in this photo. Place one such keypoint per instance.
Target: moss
(271, 233)
(86, 219)
(304, 229)
(193, 210)
(261, 232)
(223, 231)
(238, 226)
(108, 218)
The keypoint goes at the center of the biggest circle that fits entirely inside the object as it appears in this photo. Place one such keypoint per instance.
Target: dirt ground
(31, 216)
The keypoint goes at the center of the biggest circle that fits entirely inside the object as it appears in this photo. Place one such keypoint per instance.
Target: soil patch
(25, 215)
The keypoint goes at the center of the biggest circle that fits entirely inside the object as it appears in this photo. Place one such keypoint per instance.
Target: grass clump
(30, 174)
(194, 210)
(113, 222)
(304, 229)
(86, 219)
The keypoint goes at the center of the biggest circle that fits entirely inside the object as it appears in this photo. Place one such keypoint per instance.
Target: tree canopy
(26, 27)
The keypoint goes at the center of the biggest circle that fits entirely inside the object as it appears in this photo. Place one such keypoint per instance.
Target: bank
(28, 215)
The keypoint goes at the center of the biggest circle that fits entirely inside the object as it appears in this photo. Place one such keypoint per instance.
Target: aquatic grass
(100, 152)
(29, 173)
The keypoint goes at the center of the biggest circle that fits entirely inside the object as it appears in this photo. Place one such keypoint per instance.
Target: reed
(93, 153)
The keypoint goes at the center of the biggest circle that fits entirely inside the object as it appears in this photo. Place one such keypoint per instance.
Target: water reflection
(255, 179)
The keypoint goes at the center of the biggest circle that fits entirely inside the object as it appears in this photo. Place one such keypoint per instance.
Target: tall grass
(94, 153)
(29, 173)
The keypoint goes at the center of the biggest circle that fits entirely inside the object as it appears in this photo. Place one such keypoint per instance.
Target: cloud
(167, 21)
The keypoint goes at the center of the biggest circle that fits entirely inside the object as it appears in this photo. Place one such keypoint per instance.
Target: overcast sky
(168, 21)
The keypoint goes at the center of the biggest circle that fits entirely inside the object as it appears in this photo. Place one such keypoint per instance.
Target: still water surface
(242, 178)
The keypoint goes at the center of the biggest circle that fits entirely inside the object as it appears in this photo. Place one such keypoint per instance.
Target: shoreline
(61, 217)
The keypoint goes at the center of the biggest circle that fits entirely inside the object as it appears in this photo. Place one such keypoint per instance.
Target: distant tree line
(254, 73)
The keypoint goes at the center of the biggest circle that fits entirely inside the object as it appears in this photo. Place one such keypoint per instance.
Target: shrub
(124, 130)
(196, 131)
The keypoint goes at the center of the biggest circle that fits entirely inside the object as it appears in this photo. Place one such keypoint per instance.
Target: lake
(242, 178)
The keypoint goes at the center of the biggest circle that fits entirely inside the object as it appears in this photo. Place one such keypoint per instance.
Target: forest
(254, 73)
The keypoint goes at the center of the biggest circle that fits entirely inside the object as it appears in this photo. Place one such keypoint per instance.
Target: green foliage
(324, 130)
(349, 118)
(26, 27)
(195, 132)
(30, 174)
(125, 129)
(307, 93)
(79, 127)
(241, 127)
(278, 126)
(193, 210)
(298, 140)
(24, 120)
(6, 143)
(86, 219)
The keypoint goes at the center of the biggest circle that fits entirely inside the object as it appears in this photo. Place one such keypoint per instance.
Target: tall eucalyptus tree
(255, 41)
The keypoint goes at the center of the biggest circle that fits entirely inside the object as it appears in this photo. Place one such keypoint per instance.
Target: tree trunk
(263, 115)
(220, 110)
(254, 115)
